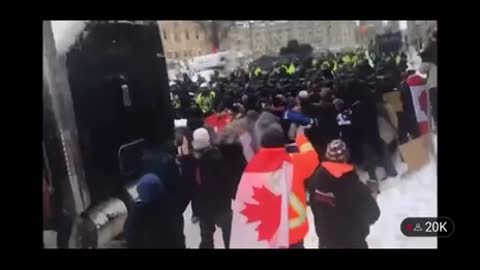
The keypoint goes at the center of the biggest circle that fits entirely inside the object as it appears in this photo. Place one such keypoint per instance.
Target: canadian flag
(218, 121)
(418, 89)
(260, 209)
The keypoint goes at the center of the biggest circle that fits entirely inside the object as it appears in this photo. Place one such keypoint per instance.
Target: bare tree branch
(216, 30)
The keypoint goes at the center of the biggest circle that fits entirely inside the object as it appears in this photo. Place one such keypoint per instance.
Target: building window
(187, 37)
(197, 35)
(185, 54)
(164, 35)
(176, 37)
(169, 54)
(176, 54)
(199, 53)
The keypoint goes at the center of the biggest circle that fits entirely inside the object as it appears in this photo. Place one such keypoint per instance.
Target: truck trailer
(106, 101)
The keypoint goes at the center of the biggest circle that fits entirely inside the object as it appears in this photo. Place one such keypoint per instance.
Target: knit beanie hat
(201, 139)
(337, 151)
(273, 136)
(303, 94)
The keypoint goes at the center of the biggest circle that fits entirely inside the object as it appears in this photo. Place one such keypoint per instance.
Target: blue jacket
(152, 222)
(297, 118)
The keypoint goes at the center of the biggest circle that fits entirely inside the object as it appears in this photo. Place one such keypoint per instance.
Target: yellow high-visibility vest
(205, 103)
(397, 59)
(354, 59)
(291, 69)
(258, 71)
(346, 59)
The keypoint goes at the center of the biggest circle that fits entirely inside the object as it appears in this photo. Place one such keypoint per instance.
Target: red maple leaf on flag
(267, 211)
(423, 102)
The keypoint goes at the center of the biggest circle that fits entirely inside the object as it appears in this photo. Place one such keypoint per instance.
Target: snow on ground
(414, 195)
(192, 232)
(49, 239)
(411, 195)
(413, 58)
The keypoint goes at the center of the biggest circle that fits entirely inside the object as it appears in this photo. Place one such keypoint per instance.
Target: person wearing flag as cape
(269, 210)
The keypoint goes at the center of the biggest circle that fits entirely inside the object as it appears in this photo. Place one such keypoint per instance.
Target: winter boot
(374, 187)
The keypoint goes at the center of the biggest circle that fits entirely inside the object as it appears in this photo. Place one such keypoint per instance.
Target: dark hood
(150, 188)
(159, 162)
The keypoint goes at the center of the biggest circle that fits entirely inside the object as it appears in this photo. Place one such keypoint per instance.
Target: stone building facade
(186, 39)
(183, 39)
(267, 37)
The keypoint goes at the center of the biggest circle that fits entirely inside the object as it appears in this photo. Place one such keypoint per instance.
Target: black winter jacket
(342, 206)
(324, 130)
(155, 225)
(164, 165)
(365, 122)
(234, 162)
(213, 189)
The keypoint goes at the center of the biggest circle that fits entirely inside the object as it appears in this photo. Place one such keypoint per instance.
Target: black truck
(105, 100)
(388, 42)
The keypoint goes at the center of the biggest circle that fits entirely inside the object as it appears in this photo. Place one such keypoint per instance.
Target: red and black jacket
(342, 205)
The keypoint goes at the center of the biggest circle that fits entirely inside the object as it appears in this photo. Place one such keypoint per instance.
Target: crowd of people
(326, 115)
